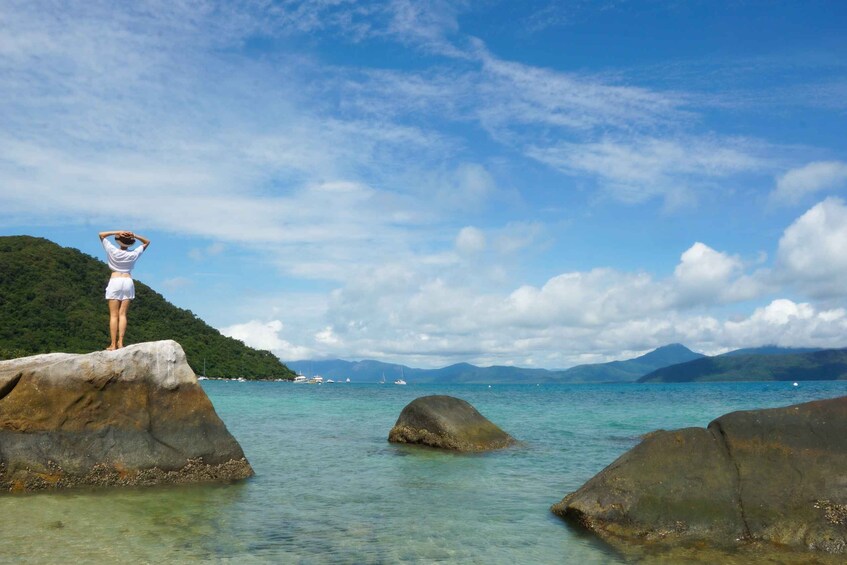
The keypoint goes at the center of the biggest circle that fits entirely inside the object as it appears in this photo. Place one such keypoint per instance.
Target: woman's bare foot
(111, 348)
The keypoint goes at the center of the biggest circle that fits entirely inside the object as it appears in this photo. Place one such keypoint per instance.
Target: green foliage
(51, 299)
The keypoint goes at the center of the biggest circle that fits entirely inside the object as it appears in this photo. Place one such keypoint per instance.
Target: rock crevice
(7, 387)
(720, 437)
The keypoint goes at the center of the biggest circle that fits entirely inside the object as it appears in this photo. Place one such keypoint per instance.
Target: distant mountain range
(671, 363)
(783, 365)
(632, 369)
(465, 373)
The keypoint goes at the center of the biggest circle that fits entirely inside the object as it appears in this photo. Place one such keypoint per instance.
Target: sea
(329, 488)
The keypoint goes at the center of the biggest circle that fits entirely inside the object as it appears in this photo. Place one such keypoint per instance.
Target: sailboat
(400, 381)
(382, 382)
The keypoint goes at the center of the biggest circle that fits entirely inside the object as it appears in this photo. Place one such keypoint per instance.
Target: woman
(120, 290)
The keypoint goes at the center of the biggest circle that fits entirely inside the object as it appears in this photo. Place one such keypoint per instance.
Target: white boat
(382, 382)
(316, 380)
(329, 381)
(300, 379)
(400, 381)
(348, 380)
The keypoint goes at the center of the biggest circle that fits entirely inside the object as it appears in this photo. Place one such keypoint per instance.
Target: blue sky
(534, 183)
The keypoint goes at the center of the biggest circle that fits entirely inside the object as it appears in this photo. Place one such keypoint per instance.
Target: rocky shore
(136, 416)
(776, 477)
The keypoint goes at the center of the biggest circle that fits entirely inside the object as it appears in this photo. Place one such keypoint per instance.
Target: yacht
(316, 380)
(400, 381)
(300, 379)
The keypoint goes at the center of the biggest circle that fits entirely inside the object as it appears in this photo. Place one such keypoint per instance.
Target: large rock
(776, 476)
(127, 417)
(447, 423)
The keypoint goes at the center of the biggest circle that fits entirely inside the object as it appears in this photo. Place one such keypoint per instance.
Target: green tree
(51, 299)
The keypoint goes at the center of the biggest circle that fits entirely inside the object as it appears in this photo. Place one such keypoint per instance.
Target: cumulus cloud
(707, 276)
(436, 320)
(790, 324)
(593, 298)
(812, 254)
(703, 268)
(266, 335)
(815, 177)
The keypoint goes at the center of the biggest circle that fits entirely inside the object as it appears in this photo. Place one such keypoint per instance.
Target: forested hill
(51, 299)
(631, 369)
(822, 365)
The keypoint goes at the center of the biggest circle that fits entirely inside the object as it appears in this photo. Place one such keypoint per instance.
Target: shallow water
(330, 489)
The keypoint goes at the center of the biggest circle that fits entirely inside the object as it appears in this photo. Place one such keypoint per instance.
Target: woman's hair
(125, 240)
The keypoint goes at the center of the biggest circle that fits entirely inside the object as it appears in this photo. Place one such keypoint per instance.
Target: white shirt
(121, 261)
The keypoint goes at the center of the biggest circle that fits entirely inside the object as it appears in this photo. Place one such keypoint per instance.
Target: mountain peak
(670, 354)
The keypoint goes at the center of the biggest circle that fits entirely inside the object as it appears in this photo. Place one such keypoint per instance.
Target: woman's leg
(122, 321)
(114, 309)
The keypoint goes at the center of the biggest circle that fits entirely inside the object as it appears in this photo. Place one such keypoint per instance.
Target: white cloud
(266, 335)
(362, 177)
(590, 299)
(427, 24)
(470, 240)
(812, 253)
(634, 170)
(792, 186)
(601, 310)
(516, 94)
(703, 267)
(327, 337)
(786, 323)
(706, 276)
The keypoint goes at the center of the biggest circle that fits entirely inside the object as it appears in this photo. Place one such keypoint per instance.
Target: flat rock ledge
(132, 417)
(772, 479)
(446, 422)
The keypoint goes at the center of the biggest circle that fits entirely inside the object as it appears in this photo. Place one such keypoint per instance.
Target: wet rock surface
(446, 422)
(136, 416)
(773, 478)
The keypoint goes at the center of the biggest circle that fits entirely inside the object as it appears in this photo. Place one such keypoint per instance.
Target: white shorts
(120, 288)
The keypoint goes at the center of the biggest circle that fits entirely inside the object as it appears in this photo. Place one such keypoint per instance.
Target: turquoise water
(330, 489)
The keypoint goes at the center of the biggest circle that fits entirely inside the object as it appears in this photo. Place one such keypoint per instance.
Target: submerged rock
(447, 423)
(773, 476)
(135, 416)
